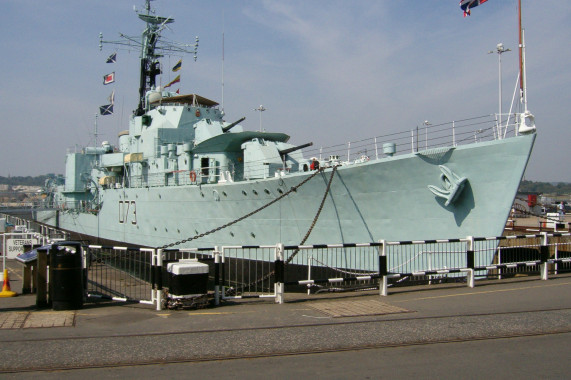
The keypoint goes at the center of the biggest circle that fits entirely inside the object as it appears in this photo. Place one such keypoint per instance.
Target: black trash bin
(66, 276)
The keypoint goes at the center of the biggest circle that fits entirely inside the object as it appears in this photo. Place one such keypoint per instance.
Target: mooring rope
(271, 273)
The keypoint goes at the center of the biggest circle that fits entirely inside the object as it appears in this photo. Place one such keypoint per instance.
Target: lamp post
(260, 109)
(500, 50)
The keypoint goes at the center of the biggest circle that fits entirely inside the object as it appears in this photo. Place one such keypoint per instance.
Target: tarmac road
(522, 358)
(519, 327)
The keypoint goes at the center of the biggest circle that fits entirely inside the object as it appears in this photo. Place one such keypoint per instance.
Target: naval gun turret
(230, 126)
(287, 151)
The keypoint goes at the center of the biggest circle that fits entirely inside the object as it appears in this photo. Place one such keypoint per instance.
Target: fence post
(153, 275)
(222, 274)
(86, 261)
(280, 275)
(556, 257)
(544, 253)
(159, 278)
(42, 282)
(470, 261)
(216, 277)
(383, 269)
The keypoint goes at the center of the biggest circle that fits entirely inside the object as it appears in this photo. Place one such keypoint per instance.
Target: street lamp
(500, 50)
(260, 109)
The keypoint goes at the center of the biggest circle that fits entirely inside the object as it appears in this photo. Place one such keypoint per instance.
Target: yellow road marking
(483, 292)
(221, 312)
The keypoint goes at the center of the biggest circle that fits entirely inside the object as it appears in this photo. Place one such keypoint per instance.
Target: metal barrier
(139, 274)
(120, 273)
(248, 271)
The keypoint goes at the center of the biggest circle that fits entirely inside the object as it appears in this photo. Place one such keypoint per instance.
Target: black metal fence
(140, 275)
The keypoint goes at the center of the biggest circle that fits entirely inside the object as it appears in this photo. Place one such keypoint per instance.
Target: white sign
(16, 246)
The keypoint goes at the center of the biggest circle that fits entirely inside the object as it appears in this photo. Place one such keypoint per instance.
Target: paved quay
(362, 330)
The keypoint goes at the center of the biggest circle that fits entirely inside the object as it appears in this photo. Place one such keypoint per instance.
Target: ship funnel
(526, 123)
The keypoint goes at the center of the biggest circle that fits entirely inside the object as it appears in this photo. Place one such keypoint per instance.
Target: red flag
(109, 78)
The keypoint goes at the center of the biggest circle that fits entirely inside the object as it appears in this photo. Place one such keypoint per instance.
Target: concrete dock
(516, 327)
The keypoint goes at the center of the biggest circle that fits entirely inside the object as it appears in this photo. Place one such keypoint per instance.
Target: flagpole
(521, 79)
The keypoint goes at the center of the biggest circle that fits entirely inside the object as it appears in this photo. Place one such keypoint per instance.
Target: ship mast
(150, 65)
(526, 118)
(152, 47)
(522, 78)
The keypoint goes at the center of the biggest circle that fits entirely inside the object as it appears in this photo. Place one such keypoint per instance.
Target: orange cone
(6, 292)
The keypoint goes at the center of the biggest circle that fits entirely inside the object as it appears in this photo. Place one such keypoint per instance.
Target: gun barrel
(230, 126)
(293, 149)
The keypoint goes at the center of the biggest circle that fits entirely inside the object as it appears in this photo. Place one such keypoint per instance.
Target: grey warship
(183, 175)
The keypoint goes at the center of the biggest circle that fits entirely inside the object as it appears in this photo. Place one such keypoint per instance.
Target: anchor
(452, 183)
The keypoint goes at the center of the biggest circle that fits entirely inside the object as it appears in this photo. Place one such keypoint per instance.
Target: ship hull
(385, 199)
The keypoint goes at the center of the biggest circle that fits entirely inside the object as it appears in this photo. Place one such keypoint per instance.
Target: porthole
(255, 192)
(267, 191)
(231, 233)
(280, 191)
(224, 193)
(252, 234)
(244, 192)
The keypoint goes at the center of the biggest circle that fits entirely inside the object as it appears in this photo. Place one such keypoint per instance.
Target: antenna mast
(95, 133)
(520, 33)
(152, 47)
(222, 71)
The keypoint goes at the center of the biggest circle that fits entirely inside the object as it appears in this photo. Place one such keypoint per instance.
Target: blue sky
(327, 71)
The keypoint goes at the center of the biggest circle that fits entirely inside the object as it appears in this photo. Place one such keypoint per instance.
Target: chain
(292, 189)
(314, 219)
(271, 273)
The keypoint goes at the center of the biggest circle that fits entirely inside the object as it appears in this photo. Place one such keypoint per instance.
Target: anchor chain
(314, 219)
(292, 189)
(295, 252)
